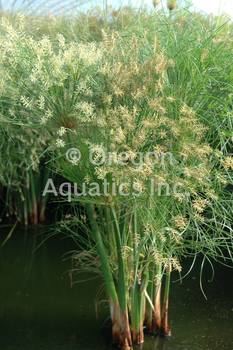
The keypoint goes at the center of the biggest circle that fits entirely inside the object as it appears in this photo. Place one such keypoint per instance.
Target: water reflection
(39, 310)
(153, 343)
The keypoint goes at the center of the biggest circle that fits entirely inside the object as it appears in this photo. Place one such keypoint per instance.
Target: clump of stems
(154, 165)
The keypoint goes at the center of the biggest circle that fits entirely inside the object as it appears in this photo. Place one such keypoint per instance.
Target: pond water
(39, 309)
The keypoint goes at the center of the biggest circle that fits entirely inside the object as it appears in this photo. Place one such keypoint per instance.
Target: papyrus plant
(23, 172)
(152, 180)
(133, 120)
(32, 90)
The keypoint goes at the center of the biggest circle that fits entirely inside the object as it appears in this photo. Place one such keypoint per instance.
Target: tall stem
(125, 334)
(137, 315)
(165, 330)
(156, 301)
(148, 312)
(138, 296)
(34, 214)
(102, 254)
(108, 228)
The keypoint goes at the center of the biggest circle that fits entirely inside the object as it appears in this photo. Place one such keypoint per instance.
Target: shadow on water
(39, 309)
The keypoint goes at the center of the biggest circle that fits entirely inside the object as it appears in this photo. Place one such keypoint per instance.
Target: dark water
(39, 310)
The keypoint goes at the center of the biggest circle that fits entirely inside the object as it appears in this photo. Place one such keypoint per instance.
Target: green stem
(156, 324)
(121, 269)
(34, 215)
(138, 299)
(102, 255)
(149, 312)
(108, 228)
(9, 234)
(165, 330)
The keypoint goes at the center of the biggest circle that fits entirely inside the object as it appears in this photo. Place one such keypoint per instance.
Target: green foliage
(155, 96)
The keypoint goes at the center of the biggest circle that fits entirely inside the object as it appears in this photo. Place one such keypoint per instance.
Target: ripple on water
(163, 343)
